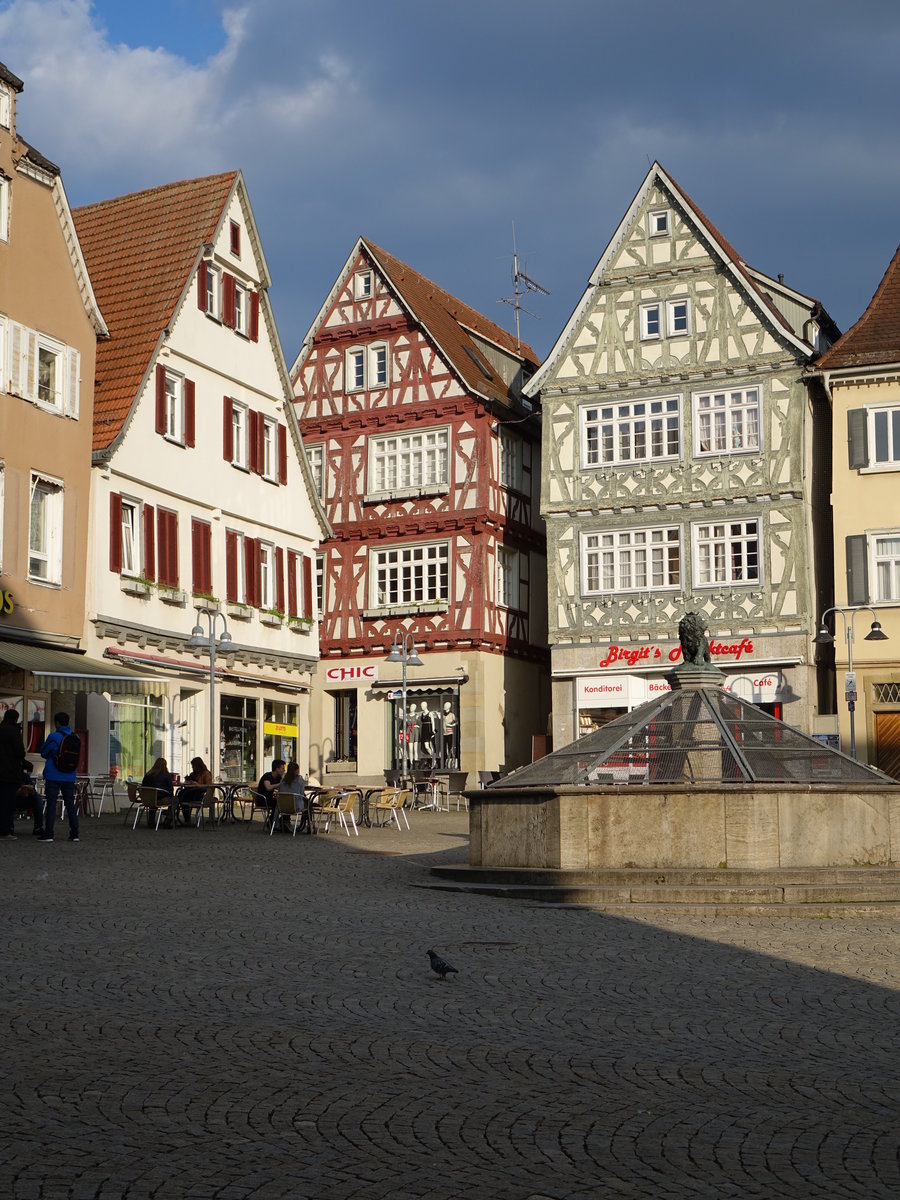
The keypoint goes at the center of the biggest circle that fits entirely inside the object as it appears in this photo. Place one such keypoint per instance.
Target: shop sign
(630, 655)
(627, 691)
(279, 730)
(6, 603)
(352, 673)
(762, 687)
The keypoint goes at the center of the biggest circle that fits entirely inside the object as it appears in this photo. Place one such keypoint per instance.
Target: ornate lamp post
(824, 638)
(403, 650)
(200, 641)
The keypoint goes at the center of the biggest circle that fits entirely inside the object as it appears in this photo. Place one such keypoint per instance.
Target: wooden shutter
(227, 429)
(73, 382)
(115, 532)
(307, 586)
(228, 300)
(231, 565)
(282, 453)
(201, 556)
(201, 285)
(149, 543)
(291, 583)
(857, 549)
(857, 438)
(189, 412)
(279, 579)
(254, 421)
(160, 398)
(254, 316)
(251, 571)
(167, 547)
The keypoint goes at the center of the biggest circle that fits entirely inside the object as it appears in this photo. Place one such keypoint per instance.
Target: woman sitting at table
(293, 784)
(158, 777)
(193, 793)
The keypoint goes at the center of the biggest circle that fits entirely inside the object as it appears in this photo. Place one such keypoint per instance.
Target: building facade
(426, 458)
(201, 493)
(861, 373)
(684, 467)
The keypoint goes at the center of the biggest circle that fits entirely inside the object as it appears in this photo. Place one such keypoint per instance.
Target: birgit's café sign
(633, 656)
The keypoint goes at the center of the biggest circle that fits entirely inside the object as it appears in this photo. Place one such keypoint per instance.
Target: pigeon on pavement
(439, 966)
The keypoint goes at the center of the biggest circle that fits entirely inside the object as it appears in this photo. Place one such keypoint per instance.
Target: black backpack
(66, 757)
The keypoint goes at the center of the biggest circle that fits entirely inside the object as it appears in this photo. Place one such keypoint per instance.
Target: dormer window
(658, 221)
(235, 239)
(362, 285)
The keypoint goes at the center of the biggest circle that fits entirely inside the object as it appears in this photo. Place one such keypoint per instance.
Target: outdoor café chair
(391, 802)
(288, 810)
(340, 804)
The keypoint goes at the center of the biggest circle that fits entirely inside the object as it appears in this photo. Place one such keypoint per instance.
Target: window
(234, 238)
(412, 575)
(678, 317)
(658, 222)
(269, 464)
(884, 435)
(4, 209)
(5, 106)
(316, 457)
(886, 563)
(651, 322)
(510, 460)
(240, 309)
(507, 577)
(345, 724)
(50, 373)
(378, 366)
(131, 537)
(640, 431)
(320, 584)
(632, 560)
(239, 435)
(235, 568)
(726, 552)
(356, 370)
(727, 421)
(409, 460)
(45, 530)
(266, 575)
(362, 285)
(213, 291)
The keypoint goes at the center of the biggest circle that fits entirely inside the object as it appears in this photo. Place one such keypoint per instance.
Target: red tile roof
(447, 320)
(140, 252)
(875, 338)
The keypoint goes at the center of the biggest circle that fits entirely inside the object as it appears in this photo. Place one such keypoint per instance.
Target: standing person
(269, 784)
(12, 759)
(60, 753)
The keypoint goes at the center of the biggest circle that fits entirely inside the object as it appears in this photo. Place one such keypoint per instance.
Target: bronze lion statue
(694, 642)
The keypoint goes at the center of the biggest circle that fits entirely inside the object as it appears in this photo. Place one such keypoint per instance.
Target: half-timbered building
(201, 494)
(685, 467)
(426, 458)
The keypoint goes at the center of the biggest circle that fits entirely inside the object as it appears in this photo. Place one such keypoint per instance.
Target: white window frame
(363, 285)
(379, 366)
(4, 208)
(315, 455)
(270, 450)
(890, 413)
(613, 432)
(5, 107)
(405, 575)
(213, 298)
(651, 315)
(631, 560)
(672, 317)
(50, 347)
(508, 577)
(320, 585)
(267, 595)
(132, 523)
(355, 369)
(50, 551)
(658, 222)
(884, 566)
(727, 421)
(240, 310)
(715, 543)
(511, 453)
(174, 389)
(240, 435)
(409, 462)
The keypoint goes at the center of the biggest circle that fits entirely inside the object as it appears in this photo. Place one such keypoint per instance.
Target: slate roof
(875, 338)
(141, 251)
(13, 80)
(448, 320)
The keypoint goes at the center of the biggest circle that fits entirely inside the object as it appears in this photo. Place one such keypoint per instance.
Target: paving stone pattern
(216, 1015)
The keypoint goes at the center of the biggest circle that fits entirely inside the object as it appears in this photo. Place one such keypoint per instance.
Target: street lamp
(824, 638)
(403, 650)
(200, 641)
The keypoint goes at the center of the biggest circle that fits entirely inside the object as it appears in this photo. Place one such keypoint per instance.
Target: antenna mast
(522, 285)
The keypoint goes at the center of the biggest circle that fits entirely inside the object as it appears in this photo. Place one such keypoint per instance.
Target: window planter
(171, 595)
(300, 624)
(240, 612)
(135, 587)
(272, 618)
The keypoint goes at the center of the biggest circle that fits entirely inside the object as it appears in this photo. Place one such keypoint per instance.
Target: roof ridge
(869, 314)
(161, 187)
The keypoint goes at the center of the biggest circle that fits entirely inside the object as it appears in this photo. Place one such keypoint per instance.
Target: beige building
(861, 372)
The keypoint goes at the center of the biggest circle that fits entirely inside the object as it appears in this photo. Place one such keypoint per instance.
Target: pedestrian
(12, 756)
(60, 754)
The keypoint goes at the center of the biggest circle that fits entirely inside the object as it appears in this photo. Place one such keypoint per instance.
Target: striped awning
(64, 671)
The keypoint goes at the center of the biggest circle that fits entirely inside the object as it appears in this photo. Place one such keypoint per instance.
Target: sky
(434, 129)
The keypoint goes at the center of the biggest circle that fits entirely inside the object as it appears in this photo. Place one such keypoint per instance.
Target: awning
(63, 671)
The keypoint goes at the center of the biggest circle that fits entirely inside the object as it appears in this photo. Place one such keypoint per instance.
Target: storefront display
(279, 731)
(237, 739)
(137, 731)
(432, 730)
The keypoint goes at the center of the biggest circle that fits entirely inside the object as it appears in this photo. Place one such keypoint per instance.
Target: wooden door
(887, 742)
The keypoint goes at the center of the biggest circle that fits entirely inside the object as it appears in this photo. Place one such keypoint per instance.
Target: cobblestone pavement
(216, 1015)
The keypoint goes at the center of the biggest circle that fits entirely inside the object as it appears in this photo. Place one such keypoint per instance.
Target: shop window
(279, 731)
(431, 733)
(345, 725)
(137, 730)
(237, 740)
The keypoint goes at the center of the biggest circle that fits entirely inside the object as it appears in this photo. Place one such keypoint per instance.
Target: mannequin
(412, 732)
(448, 722)
(426, 735)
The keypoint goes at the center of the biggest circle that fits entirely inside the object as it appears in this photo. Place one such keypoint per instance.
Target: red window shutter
(149, 546)
(292, 583)
(279, 579)
(253, 423)
(201, 557)
(189, 412)
(115, 533)
(254, 316)
(231, 565)
(227, 429)
(282, 453)
(228, 300)
(201, 285)
(160, 398)
(167, 547)
(307, 586)
(251, 571)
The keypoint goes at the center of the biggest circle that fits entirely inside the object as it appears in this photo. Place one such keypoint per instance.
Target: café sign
(649, 652)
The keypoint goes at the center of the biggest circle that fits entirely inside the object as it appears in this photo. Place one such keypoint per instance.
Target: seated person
(158, 777)
(193, 793)
(294, 784)
(269, 785)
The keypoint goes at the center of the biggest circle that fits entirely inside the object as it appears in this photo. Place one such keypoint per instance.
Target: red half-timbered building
(427, 459)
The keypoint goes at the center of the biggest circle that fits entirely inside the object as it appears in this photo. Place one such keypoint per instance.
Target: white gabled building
(201, 493)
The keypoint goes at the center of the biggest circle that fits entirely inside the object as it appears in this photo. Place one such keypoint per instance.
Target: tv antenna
(522, 285)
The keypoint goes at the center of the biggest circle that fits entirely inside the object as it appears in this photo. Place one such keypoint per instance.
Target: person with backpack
(60, 752)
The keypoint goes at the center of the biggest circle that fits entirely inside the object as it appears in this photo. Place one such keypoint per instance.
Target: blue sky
(431, 127)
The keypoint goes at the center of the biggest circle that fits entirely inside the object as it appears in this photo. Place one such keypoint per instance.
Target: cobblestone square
(219, 1015)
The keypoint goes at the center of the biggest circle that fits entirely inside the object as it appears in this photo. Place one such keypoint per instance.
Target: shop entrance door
(887, 743)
